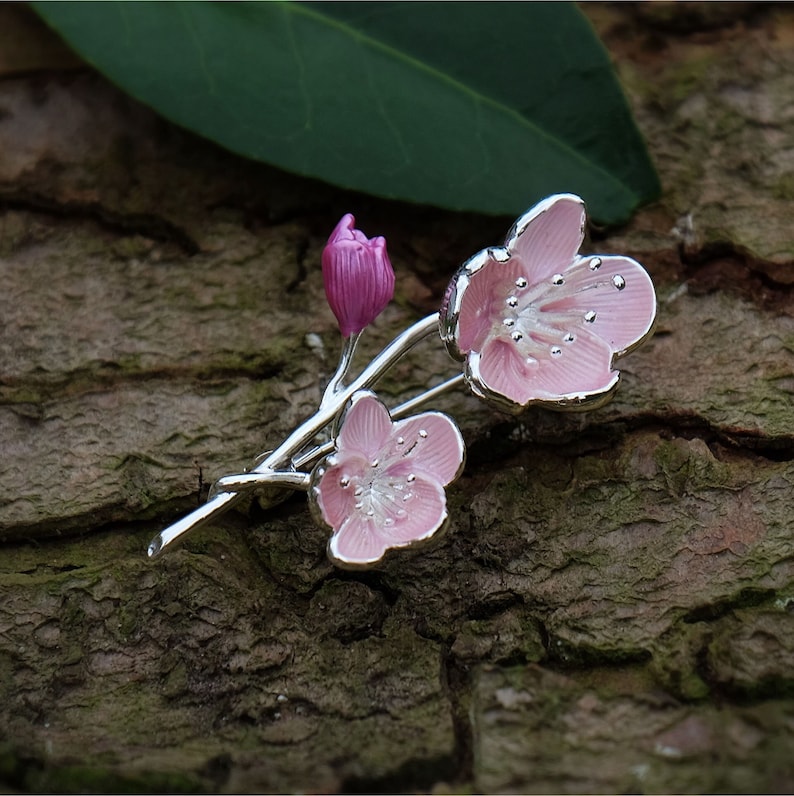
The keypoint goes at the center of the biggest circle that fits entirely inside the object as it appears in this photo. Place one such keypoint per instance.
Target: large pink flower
(384, 485)
(537, 322)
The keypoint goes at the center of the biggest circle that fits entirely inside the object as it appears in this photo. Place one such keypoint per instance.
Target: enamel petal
(564, 372)
(615, 292)
(434, 444)
(501, 370)
(486, 291)
(366, 428)
(547, 238)
(335, 497)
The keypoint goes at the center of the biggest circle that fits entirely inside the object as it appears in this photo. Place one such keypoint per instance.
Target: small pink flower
(359, 279)
(384, 485)
(537, 322)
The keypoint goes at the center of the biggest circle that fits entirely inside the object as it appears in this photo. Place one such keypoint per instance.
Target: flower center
(535, 333)
(380, 498)
(384, 498)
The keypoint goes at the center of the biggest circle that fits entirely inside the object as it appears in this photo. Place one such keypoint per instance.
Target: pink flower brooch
(384, 485)
(535, 322)
(538, 323)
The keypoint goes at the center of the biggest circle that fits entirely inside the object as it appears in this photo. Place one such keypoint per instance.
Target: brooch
(534, 322)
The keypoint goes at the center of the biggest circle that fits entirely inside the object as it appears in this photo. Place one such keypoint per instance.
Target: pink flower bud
(359, 279)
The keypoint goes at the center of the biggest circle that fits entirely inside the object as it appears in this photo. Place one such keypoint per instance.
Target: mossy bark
(610, 608)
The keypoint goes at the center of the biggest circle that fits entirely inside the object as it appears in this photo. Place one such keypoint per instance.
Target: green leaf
(470, 106)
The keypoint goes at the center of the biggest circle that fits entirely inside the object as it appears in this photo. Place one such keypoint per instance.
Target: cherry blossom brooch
(534, 321)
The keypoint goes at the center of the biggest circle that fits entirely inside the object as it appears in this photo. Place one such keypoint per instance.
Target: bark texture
(611, 609)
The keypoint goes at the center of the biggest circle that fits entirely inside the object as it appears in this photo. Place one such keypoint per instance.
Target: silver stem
(345, 359)
(281, 457)
(428, 395)
(243, 481)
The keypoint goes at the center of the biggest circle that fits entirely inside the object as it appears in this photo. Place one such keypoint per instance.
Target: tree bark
(610, 609)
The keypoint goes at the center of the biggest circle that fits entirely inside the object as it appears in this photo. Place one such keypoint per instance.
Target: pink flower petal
(357, 542)
(366, 427)
(581, 369)
(487, 288)
(547, 238)
(500, 369)
(429, 443)
(334, 496)
(618, 291)
(411, 516)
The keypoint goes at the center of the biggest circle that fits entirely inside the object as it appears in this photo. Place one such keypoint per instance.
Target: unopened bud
(359, 279)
